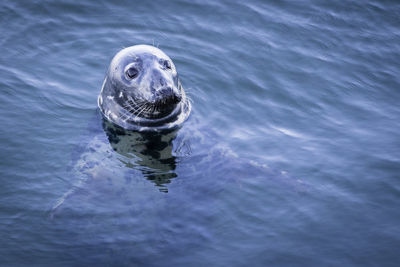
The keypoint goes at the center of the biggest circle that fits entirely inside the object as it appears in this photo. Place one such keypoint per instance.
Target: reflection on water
(154, 156)
(150, 152)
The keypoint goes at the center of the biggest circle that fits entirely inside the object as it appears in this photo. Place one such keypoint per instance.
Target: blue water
(291, 155)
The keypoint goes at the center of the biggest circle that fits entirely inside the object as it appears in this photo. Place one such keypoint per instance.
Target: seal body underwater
(143, 106)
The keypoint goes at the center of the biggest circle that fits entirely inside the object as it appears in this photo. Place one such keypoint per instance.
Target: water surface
(290, 157)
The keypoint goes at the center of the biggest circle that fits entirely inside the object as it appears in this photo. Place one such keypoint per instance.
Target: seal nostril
(166, 92)
(168, 97)
(174, 99)
(177, 98)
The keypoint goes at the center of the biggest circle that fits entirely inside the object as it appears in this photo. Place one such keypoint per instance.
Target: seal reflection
(149, 152)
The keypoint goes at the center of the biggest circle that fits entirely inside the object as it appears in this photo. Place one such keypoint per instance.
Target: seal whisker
(139, 108)
(189, 99)
(134, 114)
(134, 106)
(144, 107)
(131, 108)
(144, 110)
(135, 110)
(147, 109)
(150, 109)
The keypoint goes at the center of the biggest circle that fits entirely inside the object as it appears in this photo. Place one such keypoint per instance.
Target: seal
(142, 91)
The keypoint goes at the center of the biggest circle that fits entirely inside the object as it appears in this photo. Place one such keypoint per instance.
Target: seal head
(142, 91)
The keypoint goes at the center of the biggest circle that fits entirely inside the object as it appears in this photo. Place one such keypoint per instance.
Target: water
(290, 157)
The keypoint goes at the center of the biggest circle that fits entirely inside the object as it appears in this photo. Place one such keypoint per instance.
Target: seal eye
(132, 72)
(167, 64)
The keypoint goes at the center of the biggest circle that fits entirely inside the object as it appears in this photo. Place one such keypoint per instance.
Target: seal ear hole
(166, 64)
(132, 72)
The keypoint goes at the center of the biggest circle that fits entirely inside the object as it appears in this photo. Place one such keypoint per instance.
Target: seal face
(142, 91)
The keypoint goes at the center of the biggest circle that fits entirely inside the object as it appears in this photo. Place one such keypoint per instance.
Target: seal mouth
(143, 115)
(157, 109)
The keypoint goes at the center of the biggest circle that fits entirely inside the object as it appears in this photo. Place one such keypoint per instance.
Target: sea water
(291, 155)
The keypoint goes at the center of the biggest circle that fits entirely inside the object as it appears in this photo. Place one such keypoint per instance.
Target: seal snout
(168, 96)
